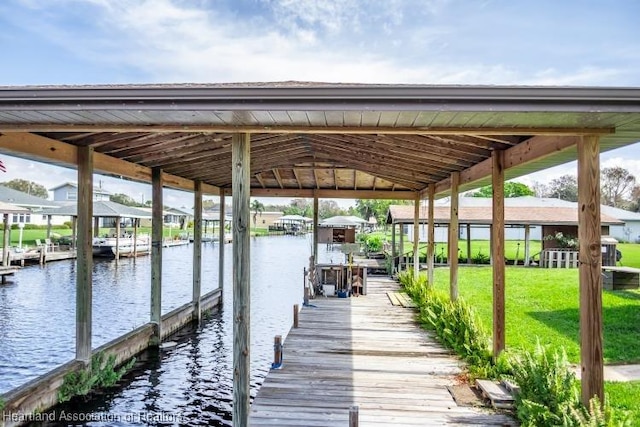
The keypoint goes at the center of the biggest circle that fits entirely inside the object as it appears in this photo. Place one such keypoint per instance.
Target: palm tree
(257, 207)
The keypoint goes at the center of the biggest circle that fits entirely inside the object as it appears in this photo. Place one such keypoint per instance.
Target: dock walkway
(363, 351)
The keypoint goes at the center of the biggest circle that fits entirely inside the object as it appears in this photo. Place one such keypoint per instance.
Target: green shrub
(550, 394)
(372, 242)
(100, 373)
(455, 323)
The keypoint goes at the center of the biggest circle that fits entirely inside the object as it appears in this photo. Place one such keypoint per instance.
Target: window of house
(72, 195)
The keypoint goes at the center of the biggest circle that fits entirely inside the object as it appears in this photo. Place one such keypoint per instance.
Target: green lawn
(625, 396)
(543, 303)
(630, 254)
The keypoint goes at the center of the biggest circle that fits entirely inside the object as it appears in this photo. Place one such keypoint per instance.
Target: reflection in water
(192, 379)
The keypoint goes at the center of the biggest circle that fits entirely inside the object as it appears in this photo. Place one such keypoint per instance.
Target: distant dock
(365, 352)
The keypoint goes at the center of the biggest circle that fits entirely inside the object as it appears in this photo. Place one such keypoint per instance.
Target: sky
(543, 42)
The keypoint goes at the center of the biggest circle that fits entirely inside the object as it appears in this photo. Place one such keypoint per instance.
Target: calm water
(191, 380)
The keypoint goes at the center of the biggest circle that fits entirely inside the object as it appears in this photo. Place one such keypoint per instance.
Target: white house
(32, 203)
(630, 231)
(68, 192)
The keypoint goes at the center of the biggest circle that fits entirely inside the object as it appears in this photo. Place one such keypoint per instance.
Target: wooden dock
(366, 352)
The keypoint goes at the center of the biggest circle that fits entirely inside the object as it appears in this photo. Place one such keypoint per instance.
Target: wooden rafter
(276, 174)
(260, 180)
(295, 173)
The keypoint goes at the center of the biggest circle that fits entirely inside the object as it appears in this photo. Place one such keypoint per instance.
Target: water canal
(192, 379)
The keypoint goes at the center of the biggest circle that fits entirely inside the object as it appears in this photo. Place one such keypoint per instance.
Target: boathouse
(298, 139)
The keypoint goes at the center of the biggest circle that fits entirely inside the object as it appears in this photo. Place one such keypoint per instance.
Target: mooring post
(118, 231)
(353, 416)
(296, 310)
(277, 352)
(305, 287)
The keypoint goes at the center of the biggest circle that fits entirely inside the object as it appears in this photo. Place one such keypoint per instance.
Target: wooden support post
(96, 227)
(48, 226)
(469, 243)
(416, 236)
(353, 416)
(527, 244)
(136, 223)
(296, 310)
(5, 240)
(401, 251)
(453, 238)
(431, 235)
(156, 254)
(277, 354)
(305, 287)
(590, 269)
(497, 249)
(221, 241)
(394, 252)
(197, 250)
(117, 239)
(84, 260)
(240, 160)
(74, 232)
(315, 228)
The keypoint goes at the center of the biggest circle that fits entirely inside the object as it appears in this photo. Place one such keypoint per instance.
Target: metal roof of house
(343, 140)
(15, 197)
(482, 215)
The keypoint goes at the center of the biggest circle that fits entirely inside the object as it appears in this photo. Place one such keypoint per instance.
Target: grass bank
(544, 303)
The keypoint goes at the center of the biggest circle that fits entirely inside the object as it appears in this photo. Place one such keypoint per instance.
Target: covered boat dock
(324, 141)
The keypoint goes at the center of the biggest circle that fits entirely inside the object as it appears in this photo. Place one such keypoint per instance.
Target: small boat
(178, 240)
(106, 246)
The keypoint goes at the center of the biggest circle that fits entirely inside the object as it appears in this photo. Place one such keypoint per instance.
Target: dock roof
(331, 140)
(100, 209)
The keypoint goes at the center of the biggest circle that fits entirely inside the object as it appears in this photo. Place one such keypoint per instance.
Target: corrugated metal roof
(100, 209)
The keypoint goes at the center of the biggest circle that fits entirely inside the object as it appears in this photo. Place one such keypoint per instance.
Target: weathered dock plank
(367, 352)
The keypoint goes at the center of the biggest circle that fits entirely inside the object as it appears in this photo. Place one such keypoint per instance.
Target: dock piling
(295, 315)
(277, 352)
(353, 416)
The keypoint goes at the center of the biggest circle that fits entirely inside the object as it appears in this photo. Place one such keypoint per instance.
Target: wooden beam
(157, 225)
(453, 238)
(197, 250)
(260, 180)
(276, 174)
(241, 279)
(335, 178)
(315, 177)
(431, 234)
(591, 351)
(334, 194)
(535, 148)
(355, 180)
(324, 130)
(84, 255)
(40, 148)
(416, 236)
(295, 174)
(497, 251)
